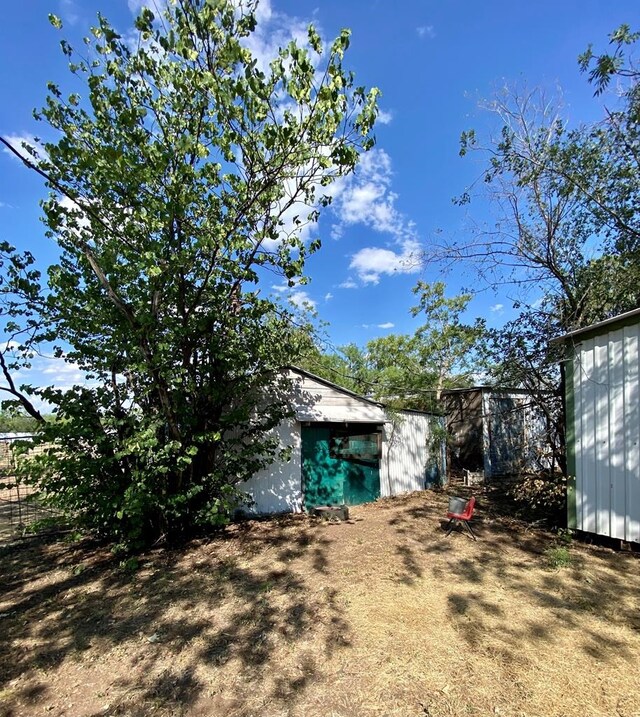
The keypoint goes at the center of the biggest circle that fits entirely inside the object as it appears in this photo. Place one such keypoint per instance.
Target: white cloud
(4, 205)
(372, 262)
(69, 11)
(426, 31)
(18, 142)
(50, 371)
(348, 284)
(328, 296)
(62, 374)
(366, 198)
(497, 309)
(337, 231)
(384, 117)
(386, 325)
(297, 297)
(301, 299)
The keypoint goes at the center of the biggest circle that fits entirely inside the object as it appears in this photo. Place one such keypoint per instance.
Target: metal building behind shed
(346, 448)
(496, 431)
(603, 427)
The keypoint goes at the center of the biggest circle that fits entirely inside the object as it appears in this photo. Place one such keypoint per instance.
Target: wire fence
(20, 508)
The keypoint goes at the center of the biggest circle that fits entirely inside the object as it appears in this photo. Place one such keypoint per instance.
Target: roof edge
(600, 324)
(330, 384)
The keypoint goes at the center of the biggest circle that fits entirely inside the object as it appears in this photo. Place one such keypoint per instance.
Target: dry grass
(378, 616)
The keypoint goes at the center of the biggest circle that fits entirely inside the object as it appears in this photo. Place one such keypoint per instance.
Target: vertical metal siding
(278, 488)
(607, 433)
(570, 407)
(616, 433)
(406, 454)
(631, 391)
(515, 436)
(601, 435)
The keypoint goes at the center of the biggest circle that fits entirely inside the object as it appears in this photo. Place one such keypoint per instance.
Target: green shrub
(558, 557)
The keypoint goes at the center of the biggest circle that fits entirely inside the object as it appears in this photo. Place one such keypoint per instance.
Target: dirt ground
(381, 615)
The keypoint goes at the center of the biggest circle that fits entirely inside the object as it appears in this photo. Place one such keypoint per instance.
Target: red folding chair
(462, 518)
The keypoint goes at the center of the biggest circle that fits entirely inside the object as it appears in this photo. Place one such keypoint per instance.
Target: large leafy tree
(183, 172)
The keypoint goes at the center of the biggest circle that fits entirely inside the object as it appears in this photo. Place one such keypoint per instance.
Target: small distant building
(345, 450)
(602, 396)
(495, 431)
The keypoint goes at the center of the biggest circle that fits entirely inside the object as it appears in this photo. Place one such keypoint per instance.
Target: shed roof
(629, 316)
(348, 392)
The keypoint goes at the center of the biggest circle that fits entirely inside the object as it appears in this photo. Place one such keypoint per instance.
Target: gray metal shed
(603, 427)
(499, 431)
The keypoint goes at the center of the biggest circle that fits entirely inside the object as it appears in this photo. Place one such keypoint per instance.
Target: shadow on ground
(232, 600)
(515, 558)
(263, 620)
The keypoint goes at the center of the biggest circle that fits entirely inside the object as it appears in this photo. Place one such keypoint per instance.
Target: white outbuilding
(345, 450)
(602, 392)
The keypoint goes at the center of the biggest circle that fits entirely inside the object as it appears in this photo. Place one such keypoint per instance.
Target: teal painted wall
(329, 480)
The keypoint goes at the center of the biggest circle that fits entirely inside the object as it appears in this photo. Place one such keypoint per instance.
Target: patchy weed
(558, 557)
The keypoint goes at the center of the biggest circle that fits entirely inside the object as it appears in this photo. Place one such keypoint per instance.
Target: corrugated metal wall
(604, 438)
(278, 489)
(515, 434)
(499, 431)
(408, 455)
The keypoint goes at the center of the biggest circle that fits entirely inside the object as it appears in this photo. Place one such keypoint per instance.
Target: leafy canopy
(184, 173)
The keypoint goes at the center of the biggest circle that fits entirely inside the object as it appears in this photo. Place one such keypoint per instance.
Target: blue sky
(433, 61)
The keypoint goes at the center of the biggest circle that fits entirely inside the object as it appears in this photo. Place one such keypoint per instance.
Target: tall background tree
(183, 171)
(411, 370)
(567, 225)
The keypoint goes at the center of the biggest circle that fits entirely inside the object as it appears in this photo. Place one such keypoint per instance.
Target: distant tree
(17, 422)
(411, 370)
(346, 366)
(183, 174)
(449, 348)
